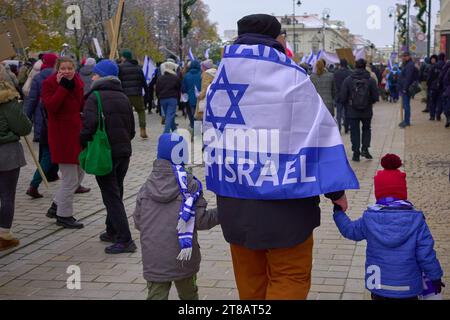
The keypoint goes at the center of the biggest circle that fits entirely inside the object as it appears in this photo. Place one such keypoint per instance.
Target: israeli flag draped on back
(267, 133)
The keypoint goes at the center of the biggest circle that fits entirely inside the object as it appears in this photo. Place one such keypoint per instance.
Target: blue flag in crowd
(191, 55)
(267, 133)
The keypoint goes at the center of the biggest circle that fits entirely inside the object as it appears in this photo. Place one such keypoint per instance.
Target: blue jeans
(169, 106)
(406, 101)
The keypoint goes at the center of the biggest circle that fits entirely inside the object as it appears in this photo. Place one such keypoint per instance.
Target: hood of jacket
(7, 92)
(162, 185)
(86, 70)
(254, 38)
(195, 67)
(392, 227)
(106, 83)
(360, 74)
(132, 61)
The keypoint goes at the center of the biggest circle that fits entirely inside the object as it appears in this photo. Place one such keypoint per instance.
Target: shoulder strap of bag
(101, 120)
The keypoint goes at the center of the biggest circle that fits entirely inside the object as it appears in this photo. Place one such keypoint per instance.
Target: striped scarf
(186, 219)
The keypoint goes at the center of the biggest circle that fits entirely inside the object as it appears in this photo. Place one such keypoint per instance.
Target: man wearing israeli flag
(271, 149)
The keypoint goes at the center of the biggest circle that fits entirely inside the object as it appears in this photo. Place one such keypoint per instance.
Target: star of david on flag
(235, 93)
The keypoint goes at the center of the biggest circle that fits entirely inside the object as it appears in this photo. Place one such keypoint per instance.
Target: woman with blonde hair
(62, 95)
(13, 125)
(324, 83)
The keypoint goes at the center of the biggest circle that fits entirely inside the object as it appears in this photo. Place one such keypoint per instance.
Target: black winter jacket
(339, 78)
(408, 75)
(346, 93)
(118, 113)
(132, 78)
(168, 86)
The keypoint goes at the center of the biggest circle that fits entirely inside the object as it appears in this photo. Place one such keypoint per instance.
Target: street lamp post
(325, 17)
(391, 15)
(299, 3)
(180, 21)
(408, 5)
(429, 30)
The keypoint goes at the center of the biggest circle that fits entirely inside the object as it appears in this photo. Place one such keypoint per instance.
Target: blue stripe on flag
(294, 182)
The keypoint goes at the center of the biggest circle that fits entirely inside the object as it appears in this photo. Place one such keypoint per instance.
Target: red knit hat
(391, 182)
(49, 61)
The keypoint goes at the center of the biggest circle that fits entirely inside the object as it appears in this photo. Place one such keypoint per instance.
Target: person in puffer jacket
(170, 249)
(399, 243)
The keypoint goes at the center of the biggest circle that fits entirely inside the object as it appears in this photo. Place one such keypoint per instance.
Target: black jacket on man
(118, 114)
(407, 77)
(346, 93)
(168, 86)
(261, 224)
(339, 77)
(132, 77)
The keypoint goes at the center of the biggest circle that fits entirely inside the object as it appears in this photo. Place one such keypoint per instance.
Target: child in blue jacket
(399, 243)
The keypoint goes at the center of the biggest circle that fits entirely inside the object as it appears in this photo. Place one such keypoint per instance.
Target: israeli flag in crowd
(392, 60)
(191, 55)
(149, 68)
(267, 133)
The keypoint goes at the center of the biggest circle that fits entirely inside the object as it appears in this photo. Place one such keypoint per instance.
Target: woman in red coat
(62, 95)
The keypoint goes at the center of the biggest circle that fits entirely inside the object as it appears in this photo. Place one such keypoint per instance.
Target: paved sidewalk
(37, 269)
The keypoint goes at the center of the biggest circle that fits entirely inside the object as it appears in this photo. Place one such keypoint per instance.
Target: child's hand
(438, 285)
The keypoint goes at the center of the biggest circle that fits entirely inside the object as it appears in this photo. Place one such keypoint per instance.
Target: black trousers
(355, 133)
(8, 185)
(111, 187)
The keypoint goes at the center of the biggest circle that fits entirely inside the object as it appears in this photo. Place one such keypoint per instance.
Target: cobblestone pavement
(37, 269)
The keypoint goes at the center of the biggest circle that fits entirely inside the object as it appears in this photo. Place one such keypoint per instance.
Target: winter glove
(438, 285)
(67, 84)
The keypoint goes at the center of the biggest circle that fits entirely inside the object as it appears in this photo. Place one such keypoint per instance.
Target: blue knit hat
(106, 68)
(174, 148)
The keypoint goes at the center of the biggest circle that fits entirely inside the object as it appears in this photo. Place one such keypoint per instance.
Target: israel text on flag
(267, 133)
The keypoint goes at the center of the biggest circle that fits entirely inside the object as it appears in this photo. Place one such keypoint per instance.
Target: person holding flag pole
(13, 125)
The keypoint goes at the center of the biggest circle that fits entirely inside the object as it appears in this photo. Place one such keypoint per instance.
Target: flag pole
(38, 165)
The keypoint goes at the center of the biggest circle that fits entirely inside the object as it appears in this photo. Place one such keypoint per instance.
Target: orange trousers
(278, 274)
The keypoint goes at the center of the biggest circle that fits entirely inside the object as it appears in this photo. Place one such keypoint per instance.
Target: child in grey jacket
(170, 208)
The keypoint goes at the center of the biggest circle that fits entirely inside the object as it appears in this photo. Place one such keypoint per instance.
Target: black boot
(69, 223)
(356, 157)
(366, 154)
(51, 213)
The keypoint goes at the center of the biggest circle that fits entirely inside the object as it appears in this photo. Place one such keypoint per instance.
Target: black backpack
(360, 94)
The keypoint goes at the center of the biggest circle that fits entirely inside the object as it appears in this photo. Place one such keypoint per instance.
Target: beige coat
(207, 78)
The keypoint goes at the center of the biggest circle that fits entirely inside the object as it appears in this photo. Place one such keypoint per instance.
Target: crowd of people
(67, 105)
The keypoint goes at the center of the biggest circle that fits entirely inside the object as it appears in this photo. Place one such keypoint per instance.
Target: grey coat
(326, 88)
(156, 217)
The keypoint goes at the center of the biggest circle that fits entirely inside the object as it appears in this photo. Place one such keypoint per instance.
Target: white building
(314, 33)
(229, 35)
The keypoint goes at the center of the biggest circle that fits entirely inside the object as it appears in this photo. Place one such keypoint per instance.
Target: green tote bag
(96, 158)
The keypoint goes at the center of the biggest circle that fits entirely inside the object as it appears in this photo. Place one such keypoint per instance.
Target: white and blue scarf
(186, 219)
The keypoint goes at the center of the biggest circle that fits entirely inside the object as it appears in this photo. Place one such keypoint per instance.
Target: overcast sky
(354, 12)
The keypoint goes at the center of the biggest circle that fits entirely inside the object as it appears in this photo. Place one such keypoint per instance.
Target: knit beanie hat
(106, 68)
(260, 24)
(174, 148)
(48, 61)
(127, 54)
(90, 62)
(391, 182)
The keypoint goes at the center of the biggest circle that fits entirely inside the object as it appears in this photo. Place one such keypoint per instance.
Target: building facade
(443, 28)
(312, 33)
